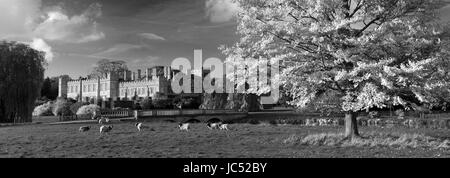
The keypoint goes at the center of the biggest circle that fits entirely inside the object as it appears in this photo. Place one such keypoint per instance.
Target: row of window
(89, 88)
(137, 91)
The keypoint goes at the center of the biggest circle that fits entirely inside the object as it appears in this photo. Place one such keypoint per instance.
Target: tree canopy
(21, 76)
(106, 66)
(367, 53)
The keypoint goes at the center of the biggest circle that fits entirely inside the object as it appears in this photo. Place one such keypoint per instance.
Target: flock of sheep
(140, 126)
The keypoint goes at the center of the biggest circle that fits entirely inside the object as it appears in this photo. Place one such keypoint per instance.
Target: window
(84, 88)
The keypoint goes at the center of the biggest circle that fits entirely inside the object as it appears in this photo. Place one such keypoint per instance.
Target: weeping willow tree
(21, 79)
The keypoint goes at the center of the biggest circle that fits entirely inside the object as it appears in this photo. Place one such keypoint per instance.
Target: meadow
(263, 140)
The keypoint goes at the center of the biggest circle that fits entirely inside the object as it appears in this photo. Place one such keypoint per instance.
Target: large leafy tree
(367, 53)
(106, 66)
(21, 79)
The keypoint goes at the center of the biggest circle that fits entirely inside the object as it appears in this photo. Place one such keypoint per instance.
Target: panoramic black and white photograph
(224, 79)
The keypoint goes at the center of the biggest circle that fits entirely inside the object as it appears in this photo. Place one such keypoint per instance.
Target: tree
(106, 66)
(46, 88)
(21, 76)
(366, 53)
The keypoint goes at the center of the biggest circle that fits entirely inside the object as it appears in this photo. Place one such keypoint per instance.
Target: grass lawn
(242, 140)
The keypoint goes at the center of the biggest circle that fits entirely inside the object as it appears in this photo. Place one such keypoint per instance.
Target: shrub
(43, 110)
(74, 107)
(62, 107)
(162, 104)
(147, 104)
(88, 109)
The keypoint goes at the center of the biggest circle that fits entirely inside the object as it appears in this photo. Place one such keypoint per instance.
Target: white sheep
(212, 126)
(106, 128)
(223, 127)
(103, 120)
(141, 126)
(84, 128)
(183, 126)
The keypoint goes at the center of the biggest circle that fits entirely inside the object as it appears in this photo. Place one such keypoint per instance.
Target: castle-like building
(126, 85)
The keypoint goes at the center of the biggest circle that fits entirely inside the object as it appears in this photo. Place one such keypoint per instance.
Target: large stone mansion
(119, 86)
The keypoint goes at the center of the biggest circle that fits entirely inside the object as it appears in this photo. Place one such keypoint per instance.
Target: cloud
(17, 17)
(28, 21)
(41, 45)
(119, 49)
(219, 11)
(151, 36)
(82, 28)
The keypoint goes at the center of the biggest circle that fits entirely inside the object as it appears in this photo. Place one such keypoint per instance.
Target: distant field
(243, 140)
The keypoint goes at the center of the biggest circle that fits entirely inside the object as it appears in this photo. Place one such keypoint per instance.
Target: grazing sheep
(103, 120)
(212, 126)
(84, 128)
(106, 128)
(141, 126)
(183, 126)
(223, 127)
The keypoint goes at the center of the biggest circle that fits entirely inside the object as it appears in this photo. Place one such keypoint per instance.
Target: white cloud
(25, 20)
(151, 36)
(221, 10)
(41, 45)
(82, 28)
(118, 49)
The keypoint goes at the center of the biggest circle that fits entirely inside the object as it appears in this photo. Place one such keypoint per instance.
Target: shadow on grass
(372, 139)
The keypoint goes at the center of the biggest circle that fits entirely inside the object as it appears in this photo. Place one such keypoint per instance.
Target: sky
(75, 34)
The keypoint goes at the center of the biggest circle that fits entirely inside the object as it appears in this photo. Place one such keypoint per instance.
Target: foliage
(76, 106)
(44, 109)
(62, 107)
(368, 52)
(186, 102)
(88, 109)
(146, 104)
(106, 66)
(162, 104)
(233, 101)
(22, 76)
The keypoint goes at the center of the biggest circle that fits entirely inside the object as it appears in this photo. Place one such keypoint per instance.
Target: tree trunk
(351, 125)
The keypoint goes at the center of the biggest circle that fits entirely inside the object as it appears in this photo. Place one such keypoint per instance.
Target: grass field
(242, 140)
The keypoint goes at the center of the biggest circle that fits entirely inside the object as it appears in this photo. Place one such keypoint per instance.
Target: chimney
(125, 75)
(155, 73)
(148, 74)
(139, 74)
